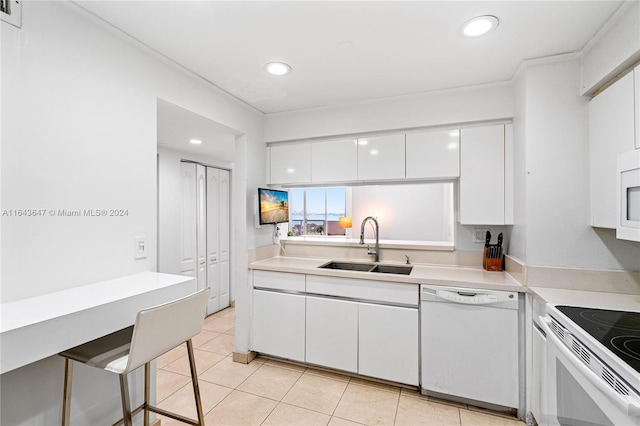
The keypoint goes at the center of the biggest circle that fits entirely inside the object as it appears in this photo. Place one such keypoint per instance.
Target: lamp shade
(344, 222)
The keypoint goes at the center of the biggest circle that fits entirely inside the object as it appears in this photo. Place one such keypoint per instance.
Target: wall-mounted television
(273, 206)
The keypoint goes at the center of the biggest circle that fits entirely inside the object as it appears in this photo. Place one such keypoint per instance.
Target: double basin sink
(368, 267)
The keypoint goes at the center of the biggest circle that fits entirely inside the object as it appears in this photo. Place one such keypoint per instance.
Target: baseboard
(244, 357)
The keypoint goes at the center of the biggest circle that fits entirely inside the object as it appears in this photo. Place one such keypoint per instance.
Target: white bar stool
(157, 330)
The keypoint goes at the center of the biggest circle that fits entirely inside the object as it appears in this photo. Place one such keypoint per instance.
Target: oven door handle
(629, 404)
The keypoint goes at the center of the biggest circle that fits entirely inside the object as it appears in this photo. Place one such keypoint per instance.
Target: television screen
(274, 206)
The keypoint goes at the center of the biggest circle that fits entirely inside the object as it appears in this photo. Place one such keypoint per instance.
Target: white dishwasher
(469, 345)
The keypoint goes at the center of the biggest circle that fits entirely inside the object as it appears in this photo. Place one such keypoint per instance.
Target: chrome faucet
(375, 252)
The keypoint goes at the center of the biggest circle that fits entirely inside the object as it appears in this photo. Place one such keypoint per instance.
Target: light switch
(140, 247)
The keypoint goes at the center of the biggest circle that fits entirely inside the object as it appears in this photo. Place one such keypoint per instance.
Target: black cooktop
(618, 331)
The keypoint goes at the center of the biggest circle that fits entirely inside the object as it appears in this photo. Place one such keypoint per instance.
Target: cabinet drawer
(395, 293)
(278, 280)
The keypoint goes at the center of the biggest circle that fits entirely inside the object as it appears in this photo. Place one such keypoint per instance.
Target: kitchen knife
(499, 254)
(487, 239)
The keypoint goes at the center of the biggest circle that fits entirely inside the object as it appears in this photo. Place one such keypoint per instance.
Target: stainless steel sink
(348, 266)
(368, 267)
(393, 269)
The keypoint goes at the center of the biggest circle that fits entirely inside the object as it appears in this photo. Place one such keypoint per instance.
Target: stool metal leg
(147, 392)
(126, 405)
(66, 397)
(194, 381)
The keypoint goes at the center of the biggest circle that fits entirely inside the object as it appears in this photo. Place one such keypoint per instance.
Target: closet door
(188, 252)
(218, 238)
(213, 236)
(224, 227)
(201, 225)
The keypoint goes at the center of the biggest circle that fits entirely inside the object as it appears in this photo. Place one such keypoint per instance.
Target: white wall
(79, 132)
(557, 176)
(430, 109)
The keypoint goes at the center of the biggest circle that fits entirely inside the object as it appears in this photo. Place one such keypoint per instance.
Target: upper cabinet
(431, 155)
(290, 163)
(334, 161)
(482, 176)
(611, 132)
(381, 157)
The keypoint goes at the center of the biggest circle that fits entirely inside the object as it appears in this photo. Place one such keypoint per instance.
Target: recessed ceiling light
(195, 141)
(277, 68)
(479, 25)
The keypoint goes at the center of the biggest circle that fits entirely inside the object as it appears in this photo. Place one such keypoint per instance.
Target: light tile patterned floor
(267, 392)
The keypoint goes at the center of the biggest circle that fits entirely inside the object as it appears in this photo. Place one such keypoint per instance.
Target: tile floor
(268, 392)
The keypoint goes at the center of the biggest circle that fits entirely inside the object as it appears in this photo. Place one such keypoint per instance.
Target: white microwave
(628, 206)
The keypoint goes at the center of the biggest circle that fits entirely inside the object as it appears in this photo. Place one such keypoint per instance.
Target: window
(315, 211)
(11, 12)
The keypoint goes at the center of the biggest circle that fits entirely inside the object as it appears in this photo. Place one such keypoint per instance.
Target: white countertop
(588, 299)
(35, 328)
(421, 274)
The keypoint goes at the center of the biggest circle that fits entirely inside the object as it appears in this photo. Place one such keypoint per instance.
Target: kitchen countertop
(38, 327)
(587, 299)
(421, 274)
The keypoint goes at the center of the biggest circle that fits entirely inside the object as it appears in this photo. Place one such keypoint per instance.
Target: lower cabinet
(388, 343)
(278, 324)
(338, 331)
(332, 333)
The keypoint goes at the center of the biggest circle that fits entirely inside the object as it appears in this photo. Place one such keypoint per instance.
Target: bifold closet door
(218, 238)
(188, 250)
(205, 230)
(201, 224)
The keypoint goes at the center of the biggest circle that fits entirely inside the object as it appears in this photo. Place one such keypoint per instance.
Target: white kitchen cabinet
(509, 174)
(433, 155)
(381, 157)
(332, 333)
(611, 132)
(334, 161)
(278, 281)
(482, 175)
(278, 324)
(388, 343)
(290, 163)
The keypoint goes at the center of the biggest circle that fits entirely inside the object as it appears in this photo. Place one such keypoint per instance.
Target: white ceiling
(341, 51)
(350, 51)
(177, 126)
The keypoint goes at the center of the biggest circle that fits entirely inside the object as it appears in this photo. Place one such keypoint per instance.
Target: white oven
(580, 388)
(628, 222)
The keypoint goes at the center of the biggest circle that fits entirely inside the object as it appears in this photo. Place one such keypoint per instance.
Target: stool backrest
(164, 327)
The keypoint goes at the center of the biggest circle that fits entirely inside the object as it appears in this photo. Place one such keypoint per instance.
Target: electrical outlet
(479, 235)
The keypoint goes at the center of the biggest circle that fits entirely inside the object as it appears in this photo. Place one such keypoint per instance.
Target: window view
(315, 211)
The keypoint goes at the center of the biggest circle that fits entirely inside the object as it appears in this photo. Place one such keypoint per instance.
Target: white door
(279, 324)
(213, 253)
(388, 343)
(332, 333)
(224, 227)
(188, 251)
(201, 226)
(482, 175)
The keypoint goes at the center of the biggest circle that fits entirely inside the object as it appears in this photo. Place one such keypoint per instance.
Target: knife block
(491, 264)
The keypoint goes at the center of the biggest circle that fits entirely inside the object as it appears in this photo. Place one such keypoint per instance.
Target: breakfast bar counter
(35, 328)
